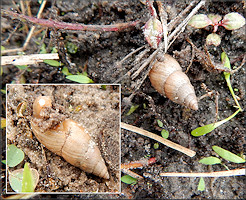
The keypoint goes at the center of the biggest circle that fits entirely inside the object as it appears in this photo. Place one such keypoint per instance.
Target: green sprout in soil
(227, 64)
(230, 21)
(210, 127)
(211, 160)
(225, 154)
(20, 180)
(128, 179)
(164, 133)
(79, 78)
(132, 109)
(201, 184)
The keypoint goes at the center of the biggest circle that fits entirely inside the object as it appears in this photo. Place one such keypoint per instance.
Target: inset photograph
(63, 138)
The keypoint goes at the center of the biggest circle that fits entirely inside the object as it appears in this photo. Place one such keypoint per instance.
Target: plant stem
(226, 119)
(69, 26)
(232, 92)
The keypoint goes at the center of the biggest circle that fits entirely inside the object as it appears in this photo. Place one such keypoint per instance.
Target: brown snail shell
(169, 80)
(69, 140)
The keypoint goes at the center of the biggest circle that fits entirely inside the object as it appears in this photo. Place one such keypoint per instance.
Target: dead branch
(28, 59)
(234, 172)
(162, 140)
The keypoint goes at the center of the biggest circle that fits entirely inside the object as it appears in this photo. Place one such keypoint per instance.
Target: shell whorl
(169, 80)
(69, 140)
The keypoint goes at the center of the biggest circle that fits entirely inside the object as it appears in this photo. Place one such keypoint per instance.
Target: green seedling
(21, 180)
(160, 124)
(103, 87)
(230, 21)
(14, 155)
(227, 155)
(128, 179)
(43, 49)
(210, 161)
(80, 78)
(2, 48)
(210, 127)
(23, 183)
(227, 64)
(156, 145)
(65, 71)
(164, 133)
(132, 109)
(201, 184)
(71, 48)
(27, 181)
(53, 63)
(23, 67)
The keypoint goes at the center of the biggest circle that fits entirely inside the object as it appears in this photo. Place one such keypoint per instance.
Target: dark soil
(98, 54)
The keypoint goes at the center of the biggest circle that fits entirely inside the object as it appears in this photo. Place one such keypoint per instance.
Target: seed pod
(169, 80)
(69, 140)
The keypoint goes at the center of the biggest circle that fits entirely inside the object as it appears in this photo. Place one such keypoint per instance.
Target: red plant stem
(138, 164)
(151, 8)
(69, 26)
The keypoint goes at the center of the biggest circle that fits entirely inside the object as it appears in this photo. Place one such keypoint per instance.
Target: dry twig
(234, 172)
(28, 59)
(162, 140)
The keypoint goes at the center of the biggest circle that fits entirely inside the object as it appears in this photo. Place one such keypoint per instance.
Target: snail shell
(169, 80)
(69, 140)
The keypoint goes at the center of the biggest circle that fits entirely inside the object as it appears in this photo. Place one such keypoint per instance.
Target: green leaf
(3, 91)
(200, 21)
(27, 181)
(54, 50)
(23, 67)
(227, 155)
(4, 162)
(132, 109)
(210, 127)
(43, 49)
(164, 133)
(233, 21)
(214, 18)
(2, 48)
(65, 71)
(153, 32)
(16, 177)
(156, 145)
(201, 184)
(213, 39)
(227, 64)
(71, 48)
(79, 78)
(203, 130)
(128, 179)
(210, 160)
(160, 124)
(14, 155)
(53, 63)
(103, 87)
